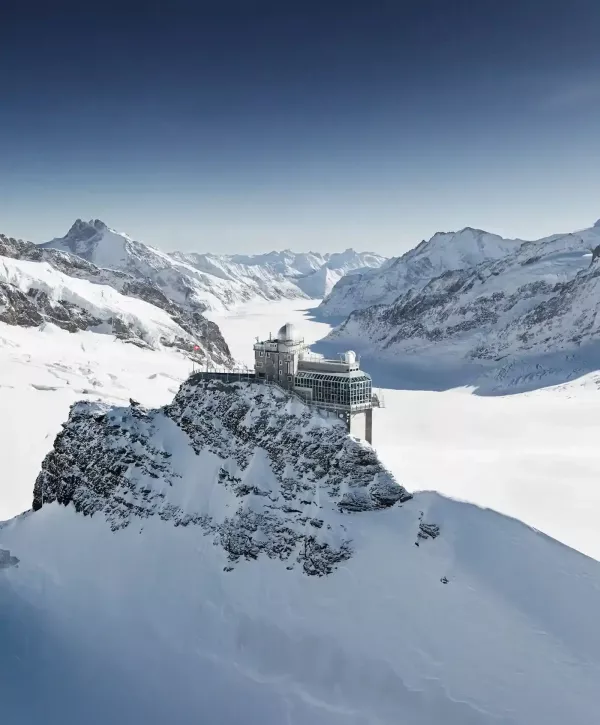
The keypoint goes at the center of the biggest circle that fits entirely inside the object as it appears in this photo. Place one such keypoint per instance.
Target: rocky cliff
(285, 476)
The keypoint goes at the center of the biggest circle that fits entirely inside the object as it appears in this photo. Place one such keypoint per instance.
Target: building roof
(357, 375)
(288, 333)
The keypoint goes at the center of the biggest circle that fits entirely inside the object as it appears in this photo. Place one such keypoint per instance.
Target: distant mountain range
(212, 281)
(460, 297)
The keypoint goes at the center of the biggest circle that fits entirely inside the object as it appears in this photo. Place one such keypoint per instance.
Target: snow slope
(443, 252)
(207, 281)
(45, 285)
(191, 593)
(44, 371)
(147, 323)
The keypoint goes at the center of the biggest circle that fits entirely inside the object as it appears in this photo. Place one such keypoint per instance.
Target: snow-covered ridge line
(540, 299)
(443, 252)
(212, 281)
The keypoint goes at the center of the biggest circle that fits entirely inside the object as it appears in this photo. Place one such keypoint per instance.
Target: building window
(261, 353)
(268, 354)
(280, 362)
(289, 378)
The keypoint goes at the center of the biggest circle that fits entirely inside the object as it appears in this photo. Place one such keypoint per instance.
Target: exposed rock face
(34, 307)
(6, 560)
(288, 475)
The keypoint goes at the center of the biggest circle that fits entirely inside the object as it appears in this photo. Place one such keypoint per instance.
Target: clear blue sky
(247, 125)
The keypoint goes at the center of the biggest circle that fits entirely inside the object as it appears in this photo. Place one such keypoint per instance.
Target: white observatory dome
(350, 357)
(288, 333)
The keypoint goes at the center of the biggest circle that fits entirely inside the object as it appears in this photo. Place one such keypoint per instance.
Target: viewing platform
(335, 385)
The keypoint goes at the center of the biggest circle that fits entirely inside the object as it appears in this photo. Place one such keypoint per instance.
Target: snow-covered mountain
(527, 318)
(443, 252)
(320, 283)
(314, 274)
(69, 331)
(205, 281)
(47, 286)
(235, 557)
(541, 298)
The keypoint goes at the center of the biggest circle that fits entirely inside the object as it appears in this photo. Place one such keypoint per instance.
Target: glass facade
(334, 389)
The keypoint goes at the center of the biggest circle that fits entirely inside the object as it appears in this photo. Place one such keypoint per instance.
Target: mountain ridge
(208, 281)
(539, 299)
(443, 251)
(43, 284)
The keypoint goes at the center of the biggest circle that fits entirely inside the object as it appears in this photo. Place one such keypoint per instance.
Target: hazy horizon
(246, 127)
(257, 250)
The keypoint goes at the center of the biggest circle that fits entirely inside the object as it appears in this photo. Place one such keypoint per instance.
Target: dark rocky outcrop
(34, 308)
(289, 476)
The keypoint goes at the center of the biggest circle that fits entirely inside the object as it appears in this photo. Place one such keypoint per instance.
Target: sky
(251, 125)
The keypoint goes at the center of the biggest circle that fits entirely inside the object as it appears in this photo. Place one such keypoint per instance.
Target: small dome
(350, 357)
(287, 333)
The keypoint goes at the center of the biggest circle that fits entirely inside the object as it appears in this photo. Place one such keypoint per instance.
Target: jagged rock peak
(87, 229)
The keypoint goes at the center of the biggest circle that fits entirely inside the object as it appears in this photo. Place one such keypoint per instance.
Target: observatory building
(337, 385)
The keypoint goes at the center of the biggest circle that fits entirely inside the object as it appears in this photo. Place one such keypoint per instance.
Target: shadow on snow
(506, 376)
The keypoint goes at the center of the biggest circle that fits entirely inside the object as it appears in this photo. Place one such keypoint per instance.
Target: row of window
(259, 364)
(309, 375)
(281, 357)
(329, 388)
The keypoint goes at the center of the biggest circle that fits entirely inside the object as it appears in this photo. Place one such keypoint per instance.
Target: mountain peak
(89, 228)
(597, 224)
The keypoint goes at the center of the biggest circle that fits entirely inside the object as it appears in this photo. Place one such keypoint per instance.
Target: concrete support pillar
(369, 425)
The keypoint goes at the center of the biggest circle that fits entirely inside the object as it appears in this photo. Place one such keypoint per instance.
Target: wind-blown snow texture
(504, 314)
(193, 591)
(210, 281)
